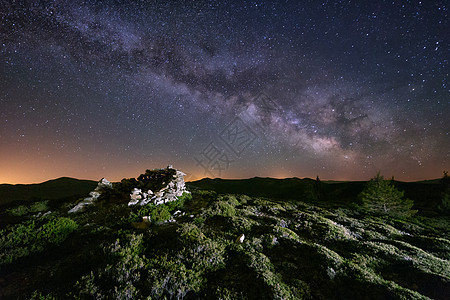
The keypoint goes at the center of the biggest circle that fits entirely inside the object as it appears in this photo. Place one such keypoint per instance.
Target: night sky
(231, 89)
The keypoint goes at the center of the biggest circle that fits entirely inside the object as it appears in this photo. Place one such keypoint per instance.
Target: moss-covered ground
(220, 246)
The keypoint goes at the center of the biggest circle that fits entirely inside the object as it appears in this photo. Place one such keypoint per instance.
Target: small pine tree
(318, 189)
(445, 194)
(380, 197)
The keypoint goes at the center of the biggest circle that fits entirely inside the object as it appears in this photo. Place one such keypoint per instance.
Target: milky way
(232, 89)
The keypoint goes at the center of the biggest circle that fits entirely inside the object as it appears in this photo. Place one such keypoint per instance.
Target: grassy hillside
(53, 189)
(223, 246)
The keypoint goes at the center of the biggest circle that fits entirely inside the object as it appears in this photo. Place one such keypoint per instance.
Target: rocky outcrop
(102, 185)
(169, 183)
(156, 186)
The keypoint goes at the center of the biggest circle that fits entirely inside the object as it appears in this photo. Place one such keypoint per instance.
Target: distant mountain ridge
(426, 194)
(51, 189)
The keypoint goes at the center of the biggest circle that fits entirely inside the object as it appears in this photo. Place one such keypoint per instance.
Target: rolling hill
(53, 189)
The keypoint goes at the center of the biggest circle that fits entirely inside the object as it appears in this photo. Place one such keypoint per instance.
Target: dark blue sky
(233, 89)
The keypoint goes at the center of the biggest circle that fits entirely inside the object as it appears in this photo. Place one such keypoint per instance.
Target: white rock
(159, 201)
(240, 239)
(94, 195)
(104, 183)
(80, 206)
(136, 194)
(331, 273)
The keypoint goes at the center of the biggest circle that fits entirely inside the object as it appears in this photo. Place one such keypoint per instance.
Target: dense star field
(232, 89)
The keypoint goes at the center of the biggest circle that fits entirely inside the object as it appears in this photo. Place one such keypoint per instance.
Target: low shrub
(120, 278)
(56, 230)
(19, 211)
(244, 199)
(199, 220)
(159, 213)
(190, 232)
(231, 199)
(18, 242)
(25, 238)
(243, 224)
(39, 206)
(179, 203)
(39, 296)
(205, 193)
(170, 278)
(221, 208)
(262, 265)
(186, 271)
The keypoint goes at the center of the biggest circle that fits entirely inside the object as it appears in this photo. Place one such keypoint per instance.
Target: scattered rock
(102, 185)
(178, 213)
(47, 213)
(283, 224)
(274, 241)
(331, 273)
(240, 239)
(135, 196)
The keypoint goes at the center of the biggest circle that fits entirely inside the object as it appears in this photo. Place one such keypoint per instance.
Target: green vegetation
(190, 232)
(19, 211)
(224, 206)
(153, 180)
(25, 238)
(22, 210)
(380, 197)
(38, 296)
(159, 213)
(56, 230)
(40, 206)
(119, 279)
(229, 246)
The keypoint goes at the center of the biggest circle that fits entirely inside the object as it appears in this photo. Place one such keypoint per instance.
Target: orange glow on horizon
(30, 171)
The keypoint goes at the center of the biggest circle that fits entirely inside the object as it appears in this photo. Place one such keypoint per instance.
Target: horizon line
(222, 178)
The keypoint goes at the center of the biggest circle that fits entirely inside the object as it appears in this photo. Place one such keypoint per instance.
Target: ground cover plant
(209, 245)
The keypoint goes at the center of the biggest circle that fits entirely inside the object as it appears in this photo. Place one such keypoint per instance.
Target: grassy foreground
(220, 246)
